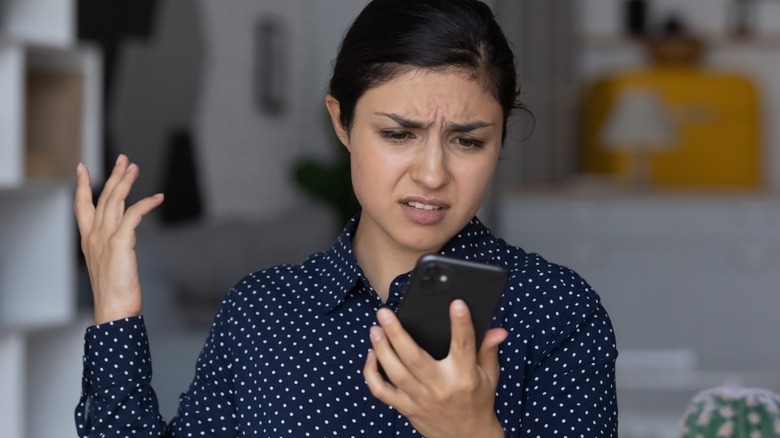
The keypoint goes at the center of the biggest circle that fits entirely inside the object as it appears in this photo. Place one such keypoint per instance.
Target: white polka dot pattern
(285, 354)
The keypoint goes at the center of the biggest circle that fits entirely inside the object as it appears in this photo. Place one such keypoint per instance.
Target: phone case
(435, 282)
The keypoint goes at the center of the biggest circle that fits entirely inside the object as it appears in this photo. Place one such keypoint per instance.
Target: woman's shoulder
(551, 302)
(283, 277)
(534, 279)
(311, 281)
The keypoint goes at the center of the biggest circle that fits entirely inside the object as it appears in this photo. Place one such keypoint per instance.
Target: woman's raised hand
(108, 240)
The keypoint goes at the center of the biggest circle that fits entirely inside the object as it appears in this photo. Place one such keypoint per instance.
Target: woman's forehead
(474, 75)
(424, 90)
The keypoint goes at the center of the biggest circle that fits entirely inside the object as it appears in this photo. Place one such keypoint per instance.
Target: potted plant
(736, 412)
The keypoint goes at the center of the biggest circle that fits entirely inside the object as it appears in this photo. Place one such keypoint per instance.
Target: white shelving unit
(40, 21)
(37, 257)
(50, 119)
(49, 111)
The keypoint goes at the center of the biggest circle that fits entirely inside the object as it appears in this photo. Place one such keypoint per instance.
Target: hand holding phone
(435, 282)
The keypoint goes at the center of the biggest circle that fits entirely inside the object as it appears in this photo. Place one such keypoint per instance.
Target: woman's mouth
(421, 206)
(424, 212)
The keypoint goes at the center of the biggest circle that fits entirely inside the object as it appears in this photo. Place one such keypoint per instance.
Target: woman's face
(423, 149)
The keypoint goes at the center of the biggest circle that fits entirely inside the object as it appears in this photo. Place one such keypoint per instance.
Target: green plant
(329, 181)
(732, 412)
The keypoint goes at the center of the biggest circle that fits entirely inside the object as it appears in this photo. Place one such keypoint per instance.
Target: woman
(420, 96)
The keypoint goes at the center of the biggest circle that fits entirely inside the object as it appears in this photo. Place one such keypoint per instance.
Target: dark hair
(391, 37)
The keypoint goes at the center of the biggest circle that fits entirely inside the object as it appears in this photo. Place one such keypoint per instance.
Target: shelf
(612, 42)
(37, 257)
(12, 380)
(50, 112)
(32, 385)
(62, 346)
(50, 119)
(40, 21)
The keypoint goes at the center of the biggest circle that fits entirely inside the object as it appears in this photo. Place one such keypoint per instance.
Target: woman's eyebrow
(468, 127)
(416, 124)
(404, 122)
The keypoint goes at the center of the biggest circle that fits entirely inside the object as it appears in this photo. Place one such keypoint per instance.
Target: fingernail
(384, 316)
(459, 307)
(118, 160)
(79, 169)
(375, 333)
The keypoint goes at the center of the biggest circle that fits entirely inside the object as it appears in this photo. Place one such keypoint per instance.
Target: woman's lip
(424, 212)
(424, 204)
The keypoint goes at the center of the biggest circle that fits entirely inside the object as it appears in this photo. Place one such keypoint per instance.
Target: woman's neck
(381, 264)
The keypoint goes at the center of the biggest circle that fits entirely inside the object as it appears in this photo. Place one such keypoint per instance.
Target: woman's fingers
(83, 206)
(136, 212)
(379, 388)
(403, 353)
(488, 352)
(113, 209)
(116, 175)
(463, 348)
(389, 351)
(415, 361)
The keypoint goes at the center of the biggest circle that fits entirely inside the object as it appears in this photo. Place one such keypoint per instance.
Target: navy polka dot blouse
(285, 354)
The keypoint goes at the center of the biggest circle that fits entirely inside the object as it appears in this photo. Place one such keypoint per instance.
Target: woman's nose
(429, 168)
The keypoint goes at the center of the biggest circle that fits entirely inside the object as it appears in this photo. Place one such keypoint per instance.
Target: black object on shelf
(182, 194)
(635, 16)
(271, 69)
(742, 18)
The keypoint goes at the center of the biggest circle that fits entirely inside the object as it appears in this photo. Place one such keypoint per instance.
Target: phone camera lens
(432, 274)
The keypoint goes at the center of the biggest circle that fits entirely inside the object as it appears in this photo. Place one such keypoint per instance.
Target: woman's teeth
(421, 206)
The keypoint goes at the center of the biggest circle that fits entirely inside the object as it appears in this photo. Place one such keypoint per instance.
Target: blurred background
(650, 165)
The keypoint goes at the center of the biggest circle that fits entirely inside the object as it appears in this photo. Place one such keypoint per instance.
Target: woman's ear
(334, 109)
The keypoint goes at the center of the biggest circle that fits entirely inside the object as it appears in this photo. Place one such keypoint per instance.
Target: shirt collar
(338, 268)
(474, 242)
(340, 273)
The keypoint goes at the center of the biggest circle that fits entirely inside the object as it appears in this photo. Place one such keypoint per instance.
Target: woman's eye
(396, 136)
(469, 143)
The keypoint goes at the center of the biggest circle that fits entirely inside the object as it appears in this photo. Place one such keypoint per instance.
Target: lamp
(639, 123)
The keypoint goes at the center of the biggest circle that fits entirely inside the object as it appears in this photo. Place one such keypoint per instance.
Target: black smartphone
(435, 282)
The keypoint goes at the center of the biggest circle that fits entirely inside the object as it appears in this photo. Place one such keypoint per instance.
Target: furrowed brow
(455, 127)
(468, 127)
(404, 122)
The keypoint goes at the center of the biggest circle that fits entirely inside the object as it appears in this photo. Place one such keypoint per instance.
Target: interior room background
(221, 105)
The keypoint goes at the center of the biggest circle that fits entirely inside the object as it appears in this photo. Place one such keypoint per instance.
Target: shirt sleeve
(574, 384)
(117, 398)
(207, 408)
